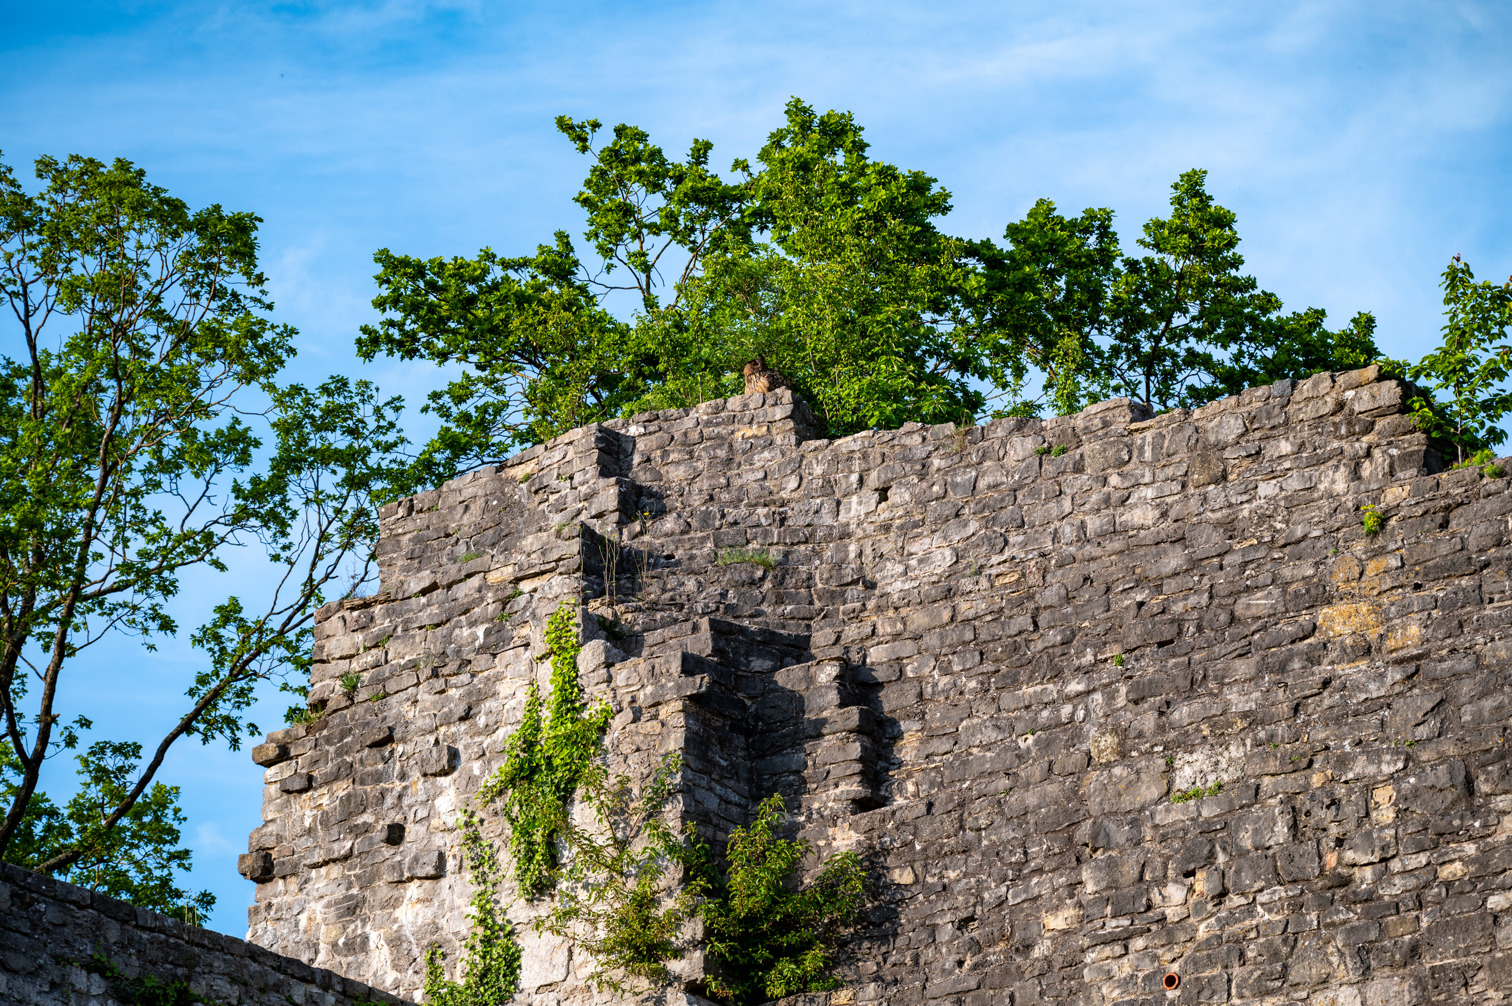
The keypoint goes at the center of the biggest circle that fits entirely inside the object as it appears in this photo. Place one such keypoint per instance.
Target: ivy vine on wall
(490, 968)
(627, 887)
(547, 759)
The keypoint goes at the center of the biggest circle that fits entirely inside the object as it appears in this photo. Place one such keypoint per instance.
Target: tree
(831, 265)
(822, 260)
(136, 860)
(855, 294)
(142, 435)
(1472, 365)
(1178, 326)
(1046, 295)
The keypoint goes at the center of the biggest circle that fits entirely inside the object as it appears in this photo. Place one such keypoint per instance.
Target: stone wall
(60, 945)
(1099, 698)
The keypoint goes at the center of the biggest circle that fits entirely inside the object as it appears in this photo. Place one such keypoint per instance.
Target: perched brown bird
(759, 378)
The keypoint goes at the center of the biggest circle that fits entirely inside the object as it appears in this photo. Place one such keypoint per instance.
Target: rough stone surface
(52, 933)
(1098, 698)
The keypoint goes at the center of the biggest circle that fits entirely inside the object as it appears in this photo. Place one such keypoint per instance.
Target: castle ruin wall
(1098, 698)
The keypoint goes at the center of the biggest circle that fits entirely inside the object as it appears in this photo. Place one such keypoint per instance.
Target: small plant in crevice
(144, 989)
(554, 750)
(1058, 450)
(756, 556)
(1485, 460)
(1118, 660)
(490, 969)
(466, 557)
(1372, 519)
(296, 715)
(517, 592)
(350, 682)
(1042, 450)
(612, 627)
(1197, 792)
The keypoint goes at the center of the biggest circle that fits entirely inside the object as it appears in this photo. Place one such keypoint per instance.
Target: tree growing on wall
(1468, 395)
(144, 435)
(1177, 326)
(831, 265)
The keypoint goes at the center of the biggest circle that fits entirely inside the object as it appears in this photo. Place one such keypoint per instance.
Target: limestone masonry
(1097, 698)
(59, 942)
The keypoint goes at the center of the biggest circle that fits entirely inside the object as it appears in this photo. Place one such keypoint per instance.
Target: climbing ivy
(766, 935)
(552, 753)
(490, 969)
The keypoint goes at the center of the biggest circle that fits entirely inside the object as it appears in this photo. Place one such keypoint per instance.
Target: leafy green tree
(1178, 326)
(135, 861)
(143, 435)
(831, 266)
(1046, 295)
(822, 260)
(1471, 367)
(854, 294)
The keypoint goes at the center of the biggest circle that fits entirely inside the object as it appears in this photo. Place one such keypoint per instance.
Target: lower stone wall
(55, 939)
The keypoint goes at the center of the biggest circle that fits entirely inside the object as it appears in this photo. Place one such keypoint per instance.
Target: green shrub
(1372, 519)
(768, 939)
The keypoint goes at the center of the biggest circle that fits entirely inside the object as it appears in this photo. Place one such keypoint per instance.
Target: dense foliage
(143, 435)
(769, 936)
(831, 265)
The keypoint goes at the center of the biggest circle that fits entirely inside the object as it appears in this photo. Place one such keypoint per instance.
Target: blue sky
(1361, 144)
